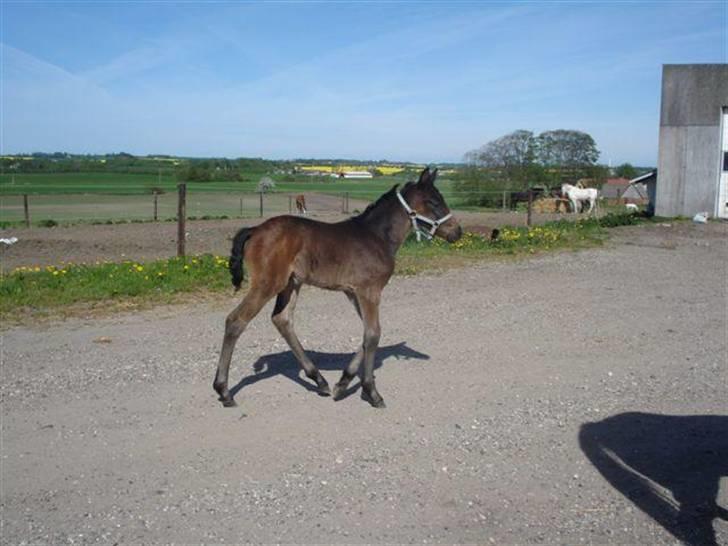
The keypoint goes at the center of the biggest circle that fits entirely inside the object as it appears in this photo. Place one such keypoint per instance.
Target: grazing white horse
(577, 195)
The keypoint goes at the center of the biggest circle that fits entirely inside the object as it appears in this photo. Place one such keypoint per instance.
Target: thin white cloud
(129, 64)
(373, 97)
(47, 108)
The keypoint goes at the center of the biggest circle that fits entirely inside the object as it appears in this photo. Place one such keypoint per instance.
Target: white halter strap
(414, 216)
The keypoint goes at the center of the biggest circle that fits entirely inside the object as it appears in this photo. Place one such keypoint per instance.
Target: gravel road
(574, 398)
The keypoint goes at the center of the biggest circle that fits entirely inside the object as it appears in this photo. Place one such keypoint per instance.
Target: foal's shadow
(285, 363)
(669, 466)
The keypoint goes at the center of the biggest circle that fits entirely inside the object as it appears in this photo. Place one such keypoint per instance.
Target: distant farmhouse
(692, 171)
(625, 190)
(614, 188)
(354, 174)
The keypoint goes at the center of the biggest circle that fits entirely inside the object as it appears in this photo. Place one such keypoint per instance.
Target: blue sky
(368, 80)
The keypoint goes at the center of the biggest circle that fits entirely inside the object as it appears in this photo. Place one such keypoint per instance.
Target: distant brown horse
(355, 256)
(301, 204)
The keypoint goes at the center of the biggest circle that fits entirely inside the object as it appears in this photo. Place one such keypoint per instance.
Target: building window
(725, 161)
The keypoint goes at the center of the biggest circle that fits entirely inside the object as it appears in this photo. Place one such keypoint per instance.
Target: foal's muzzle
(452, 234)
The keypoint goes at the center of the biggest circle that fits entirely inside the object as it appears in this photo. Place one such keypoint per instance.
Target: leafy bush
(266, 185)
(620, 219)
(193, 173)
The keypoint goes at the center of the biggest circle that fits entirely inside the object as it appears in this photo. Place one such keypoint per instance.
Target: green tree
(504, 164)
(567, 155)
(266, 184)
(192, 173)
(626, 170)
(510, 156)
(598, 174)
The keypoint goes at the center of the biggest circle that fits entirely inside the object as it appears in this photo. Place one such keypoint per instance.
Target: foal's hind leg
(235, 324)
(283, 320)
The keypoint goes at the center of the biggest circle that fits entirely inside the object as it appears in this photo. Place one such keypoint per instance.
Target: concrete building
(693, 156)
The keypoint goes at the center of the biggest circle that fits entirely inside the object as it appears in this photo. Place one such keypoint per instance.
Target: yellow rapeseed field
(386, 170)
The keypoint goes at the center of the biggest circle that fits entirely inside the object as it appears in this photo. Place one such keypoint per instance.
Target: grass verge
(31, 292)
(37, 291)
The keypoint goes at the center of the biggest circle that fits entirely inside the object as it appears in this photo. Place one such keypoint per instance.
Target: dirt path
(490, 374)
(150, 241)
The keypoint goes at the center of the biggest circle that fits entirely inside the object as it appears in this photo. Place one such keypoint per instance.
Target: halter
(414, 216)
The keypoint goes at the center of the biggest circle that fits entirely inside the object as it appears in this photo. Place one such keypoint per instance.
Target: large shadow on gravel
(669, 466)
(285, 363)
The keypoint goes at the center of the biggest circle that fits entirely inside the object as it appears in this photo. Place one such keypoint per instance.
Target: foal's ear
(424, 176)
(428, 176)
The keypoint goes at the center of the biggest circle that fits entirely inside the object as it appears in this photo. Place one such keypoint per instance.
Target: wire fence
(111, 208)
(173, 233)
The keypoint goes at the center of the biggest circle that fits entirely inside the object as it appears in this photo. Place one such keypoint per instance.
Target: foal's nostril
(455, 235)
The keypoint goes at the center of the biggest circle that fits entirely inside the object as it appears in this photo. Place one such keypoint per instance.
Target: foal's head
(427, 200)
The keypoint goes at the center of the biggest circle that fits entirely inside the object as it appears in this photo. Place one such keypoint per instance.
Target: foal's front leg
(353, 367)
(348, 374)
(369, 304)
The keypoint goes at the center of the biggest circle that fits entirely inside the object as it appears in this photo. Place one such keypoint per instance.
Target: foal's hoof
(375, 402)
(323, 390)
(339, 391)
(228, 402)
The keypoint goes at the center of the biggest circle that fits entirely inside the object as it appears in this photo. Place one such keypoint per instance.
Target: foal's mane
(373, 208)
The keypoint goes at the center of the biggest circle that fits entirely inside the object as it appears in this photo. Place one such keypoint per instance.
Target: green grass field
(134, 184)
(69, 197)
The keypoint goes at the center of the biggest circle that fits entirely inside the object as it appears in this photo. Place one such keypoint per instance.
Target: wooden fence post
(181, 217)
(26, 210)
(156, 206)
(290, 204)
(241, 207)
(261, 204)
(530, 206)
(504, 200)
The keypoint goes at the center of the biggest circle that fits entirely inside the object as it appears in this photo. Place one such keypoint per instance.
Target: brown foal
(355, 256)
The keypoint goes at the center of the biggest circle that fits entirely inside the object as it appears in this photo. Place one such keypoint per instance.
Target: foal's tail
(236, 256)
